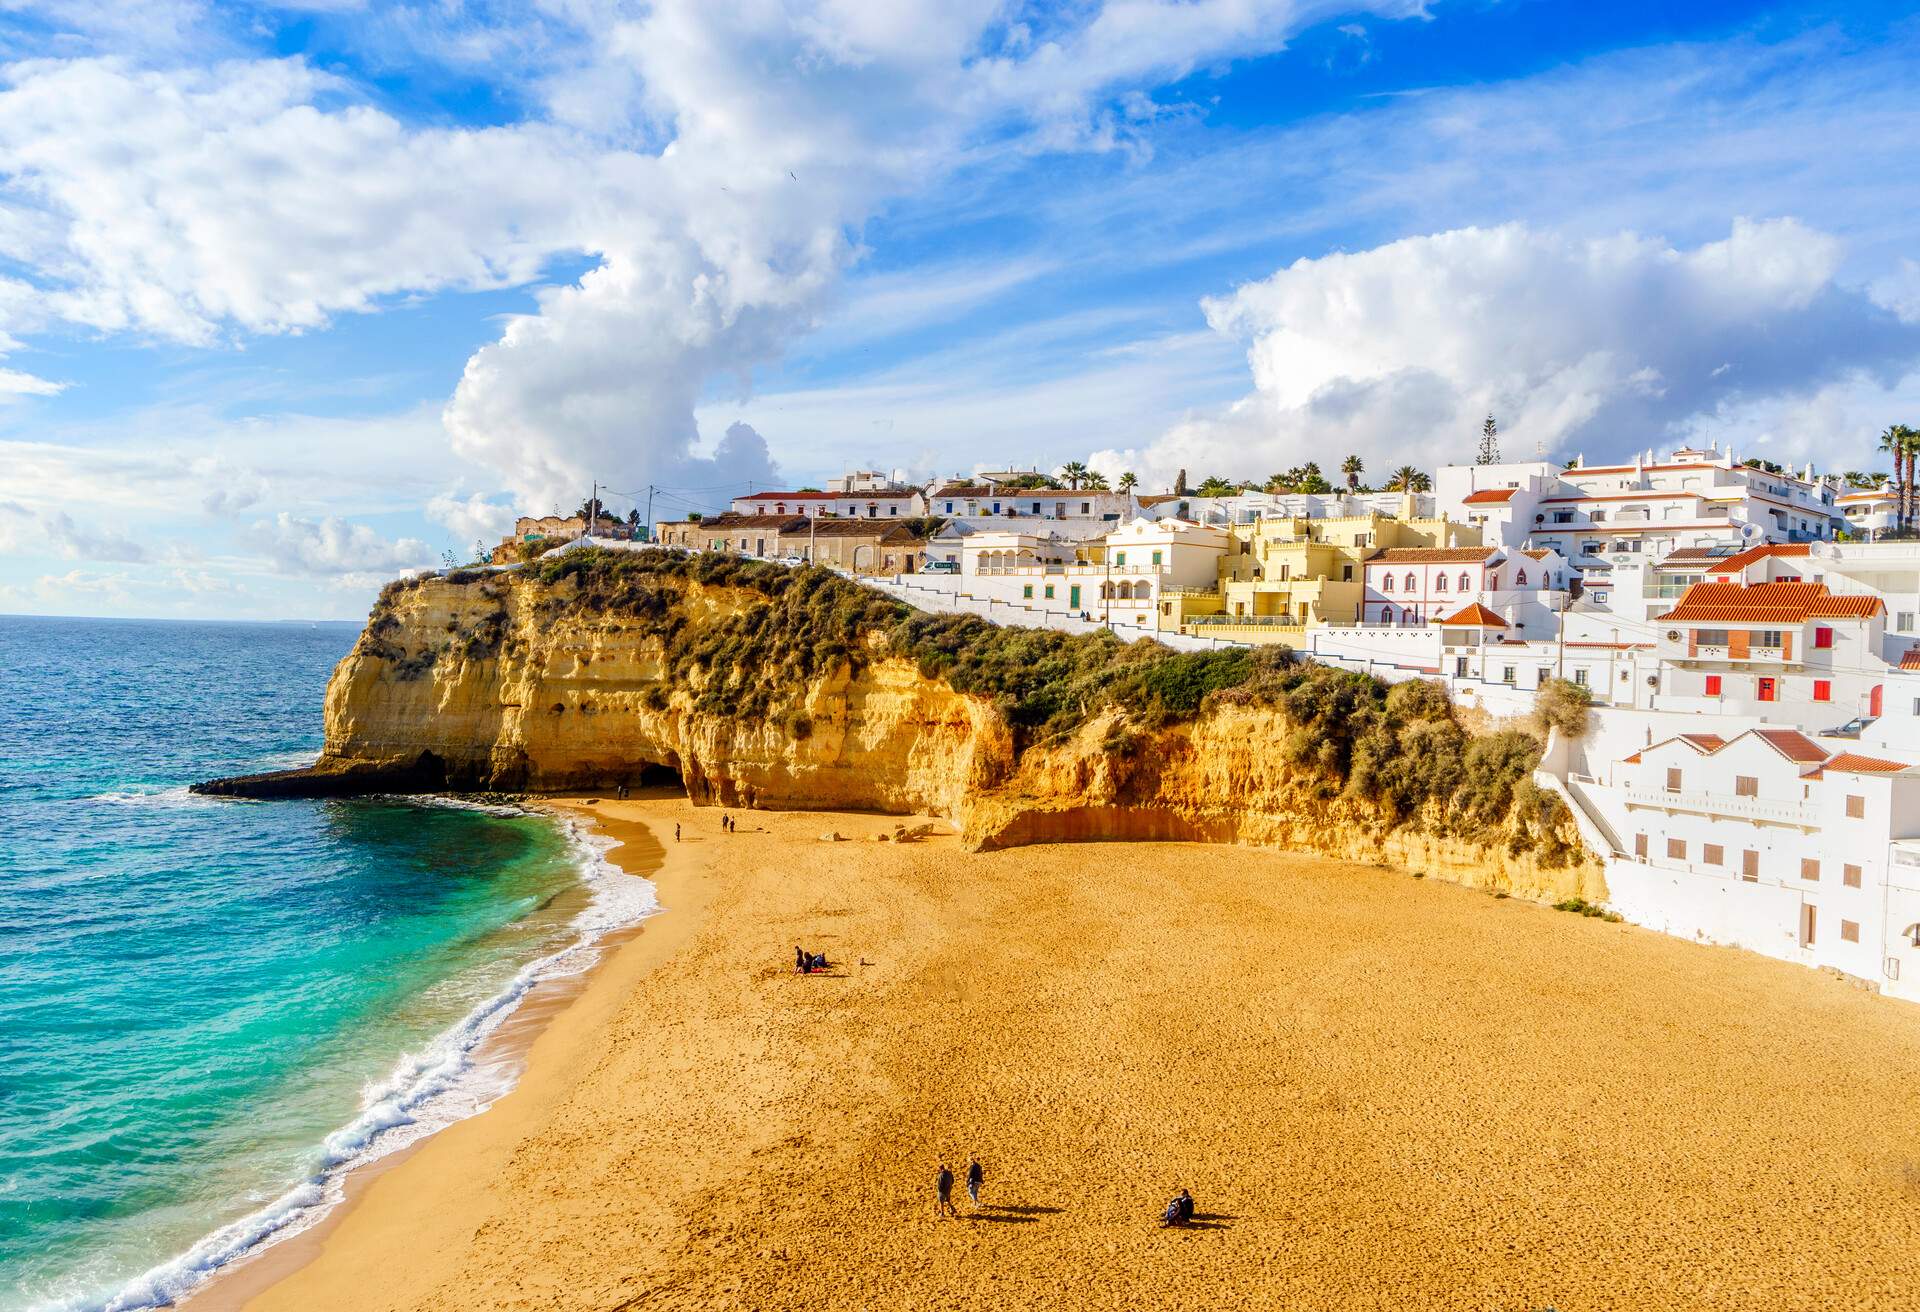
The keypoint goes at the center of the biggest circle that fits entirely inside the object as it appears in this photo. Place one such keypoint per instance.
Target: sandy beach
(1382, 1091)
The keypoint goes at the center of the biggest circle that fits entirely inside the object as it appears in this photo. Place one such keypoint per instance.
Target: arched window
(1412, 585)
(1386, 585)
(1520, 578)
(1440, 583)
(1142, 590)
(1466, 584)
(1493, 583)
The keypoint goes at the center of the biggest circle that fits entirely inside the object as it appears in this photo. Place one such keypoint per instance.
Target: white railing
(1764, 810)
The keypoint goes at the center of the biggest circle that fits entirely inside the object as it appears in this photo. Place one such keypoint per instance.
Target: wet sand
(1383, 1092)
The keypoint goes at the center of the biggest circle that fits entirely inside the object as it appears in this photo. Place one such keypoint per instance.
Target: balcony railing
(1764, 810)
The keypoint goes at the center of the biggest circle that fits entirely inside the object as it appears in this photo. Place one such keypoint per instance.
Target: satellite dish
(1673, 635)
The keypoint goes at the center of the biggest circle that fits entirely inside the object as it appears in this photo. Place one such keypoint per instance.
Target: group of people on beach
(943, 1188)
(806, 963)
(1178, 1211)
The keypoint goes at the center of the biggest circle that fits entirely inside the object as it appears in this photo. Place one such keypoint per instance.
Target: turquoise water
(210, 1008)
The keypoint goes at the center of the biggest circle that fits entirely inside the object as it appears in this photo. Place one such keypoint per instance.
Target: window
(1386, 584)
(1746, 785)
(1849, 931)
(1466, 584)
(1850, 876)
(1750, 866)
(1640, 846)
(1903, 621)
(1677, 849)
(1027, 591)
(1710, 637)
(1673, 781)
(1119, 557)
(1156, 560)
(1856, 807)
(1823, 637)
(1493, 583)
(1346, 573)
(1563, 517)
(1440, 583)
(1409, 582)
(1823, 690)
(1086, 507)
(1507, 674)
(1580, 678)
(1809, 870)
(1767, 638)
(1520, 578)
(1713, 854)
(1713, 685)
(1048, 594)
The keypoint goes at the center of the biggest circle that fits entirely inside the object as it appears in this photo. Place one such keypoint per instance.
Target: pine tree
(1489, 442)
(1180, 484)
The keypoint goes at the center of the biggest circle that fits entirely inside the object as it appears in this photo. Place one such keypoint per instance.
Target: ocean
(211, 1009)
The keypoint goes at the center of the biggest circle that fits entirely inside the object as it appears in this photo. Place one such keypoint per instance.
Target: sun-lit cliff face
(807, 700)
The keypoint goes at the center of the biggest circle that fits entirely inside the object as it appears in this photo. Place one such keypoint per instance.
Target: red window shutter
(1823, 690)
(1713, 685)
(1823, 637)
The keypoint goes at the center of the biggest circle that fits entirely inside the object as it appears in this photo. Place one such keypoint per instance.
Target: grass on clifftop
(1398, 747)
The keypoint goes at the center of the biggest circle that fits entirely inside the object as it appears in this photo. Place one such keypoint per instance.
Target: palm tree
(1095, 481)
(1128, 482)
(1902, 444)
(1215, 486)
(1408, 479)
(1352, 467)
(1073, 471)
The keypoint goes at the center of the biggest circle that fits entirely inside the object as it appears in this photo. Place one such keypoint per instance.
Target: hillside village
(1745, 635)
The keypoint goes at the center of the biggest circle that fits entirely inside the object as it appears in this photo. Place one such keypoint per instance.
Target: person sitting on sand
(943, 1193)
(819, 961)
(800, 959)
(1179, 1209)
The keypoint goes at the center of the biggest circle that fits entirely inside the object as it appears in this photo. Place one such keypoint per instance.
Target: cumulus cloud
(1618, 341)
(333, 546)
(474, 517)
(57, 533)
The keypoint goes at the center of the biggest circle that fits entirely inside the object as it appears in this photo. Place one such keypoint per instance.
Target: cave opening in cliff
(653, 777)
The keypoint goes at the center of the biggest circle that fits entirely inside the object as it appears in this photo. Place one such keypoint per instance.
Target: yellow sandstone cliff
(492, 684)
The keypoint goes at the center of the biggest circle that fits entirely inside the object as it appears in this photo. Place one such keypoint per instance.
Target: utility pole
(650, 512)
(593, 509)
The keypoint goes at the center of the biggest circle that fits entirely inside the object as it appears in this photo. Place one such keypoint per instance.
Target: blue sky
(295, 296)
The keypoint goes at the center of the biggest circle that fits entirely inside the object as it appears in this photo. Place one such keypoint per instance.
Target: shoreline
(507, 1049)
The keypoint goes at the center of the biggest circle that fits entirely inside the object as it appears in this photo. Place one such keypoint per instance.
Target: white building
(1118, 576)
(1888, 570)
(1870, 512)
(1414, 586)
(1062, 512)
(1252, 507)
(893, 503)
(1771, 840)
(860, 481)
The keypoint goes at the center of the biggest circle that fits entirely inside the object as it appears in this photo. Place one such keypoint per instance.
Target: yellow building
(1280, 577)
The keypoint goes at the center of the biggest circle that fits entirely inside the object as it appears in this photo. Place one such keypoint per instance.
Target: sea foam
(426, 1090)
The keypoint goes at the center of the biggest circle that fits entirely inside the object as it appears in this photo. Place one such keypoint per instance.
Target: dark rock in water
(426, 773)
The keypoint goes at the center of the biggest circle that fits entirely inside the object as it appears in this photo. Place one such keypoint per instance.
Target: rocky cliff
(753, 686)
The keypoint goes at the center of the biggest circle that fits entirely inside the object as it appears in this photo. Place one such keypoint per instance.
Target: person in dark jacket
(943, 1193)
(975, 1177)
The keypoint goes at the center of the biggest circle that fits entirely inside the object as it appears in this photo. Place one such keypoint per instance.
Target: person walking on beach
(943, 1193)
(800, 960)
(676, 831)
(975, 1176)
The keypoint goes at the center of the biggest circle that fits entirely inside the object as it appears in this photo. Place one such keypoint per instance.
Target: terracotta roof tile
(1754, 554)
(1767, 603)
(1793, 745)
(1431, 555)
(1492, 496)
(1857, 764)
(1475, 615)
(1910, 659)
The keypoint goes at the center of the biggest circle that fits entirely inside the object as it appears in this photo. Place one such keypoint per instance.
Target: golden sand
(1384, 1093)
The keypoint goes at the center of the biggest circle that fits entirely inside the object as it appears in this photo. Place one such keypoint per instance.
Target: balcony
(1759, 810)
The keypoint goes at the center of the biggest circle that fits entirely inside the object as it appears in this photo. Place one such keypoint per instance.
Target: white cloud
(473, 518)
(1618, 342)
(333, 546)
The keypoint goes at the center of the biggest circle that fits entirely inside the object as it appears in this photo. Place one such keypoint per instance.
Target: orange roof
(1866, 764)
(1493, 496)
(1767, 603)
(1752, 554)
(1793, 745)
(1877, 494)
(1431, 555)
(1475, 615)
(1704, 743)
(1910, 659)
(1537, 555)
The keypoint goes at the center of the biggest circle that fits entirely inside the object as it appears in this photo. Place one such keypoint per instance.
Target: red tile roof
(1492, 496)
(1431, 555)
(1475, 615)
(1793, 745)
(1753, 554)
(1704, 743)
(1537, 555)
(828, 496)
(1699, 556)
(1767, 603)
(1910, 659)
(1857, 764)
